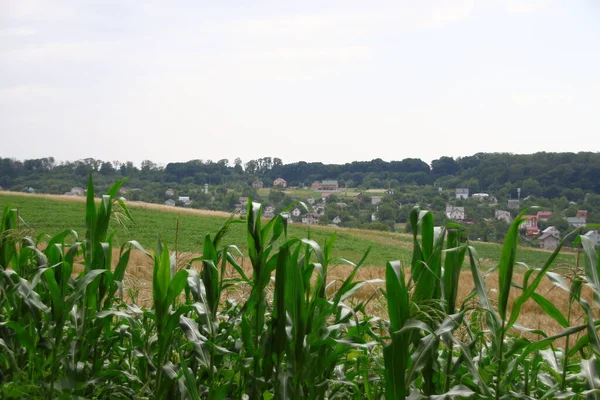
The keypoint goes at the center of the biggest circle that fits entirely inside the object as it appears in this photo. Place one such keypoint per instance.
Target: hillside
(52, 214)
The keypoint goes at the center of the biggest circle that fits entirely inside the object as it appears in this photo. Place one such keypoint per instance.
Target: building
(185, 200)
(170, 203)
(514, 203)
(530, 225)
(337, 220)
(310, 219)
(280, 182)
(548, 241)
(576, 221)
(75, 191)
(330, 186)
(170, 192)
(243, 201)
(257, 184)
(269, 211)
(390, 192)
(553, 231)
(376, 200)
(503, 215)
(296, 212)
(455, 213)
(582, 214)
(462, 193)
(481, 196)
(310, 200)
(544, 215)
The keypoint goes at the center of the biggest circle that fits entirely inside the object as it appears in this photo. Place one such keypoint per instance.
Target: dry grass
(138, 282)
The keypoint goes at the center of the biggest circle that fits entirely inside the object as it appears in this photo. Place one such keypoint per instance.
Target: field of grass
(53, 214)
(290, 321)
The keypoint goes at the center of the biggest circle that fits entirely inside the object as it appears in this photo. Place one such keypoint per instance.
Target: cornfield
(70, 327)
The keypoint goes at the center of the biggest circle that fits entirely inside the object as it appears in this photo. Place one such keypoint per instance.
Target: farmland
(53, 214)
(291, 319)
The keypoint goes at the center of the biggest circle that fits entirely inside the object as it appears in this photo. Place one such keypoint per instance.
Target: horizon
(308, 81)
(231, 160)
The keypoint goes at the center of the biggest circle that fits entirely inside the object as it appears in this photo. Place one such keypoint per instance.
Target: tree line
(541, 174)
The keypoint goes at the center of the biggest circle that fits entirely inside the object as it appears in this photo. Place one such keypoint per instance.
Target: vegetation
(50, 216)
(293, 334)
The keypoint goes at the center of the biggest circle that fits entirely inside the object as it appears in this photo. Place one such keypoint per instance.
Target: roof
(330, 182)
(576, 220)
(549, 229)
(544, 213)
(547, 235)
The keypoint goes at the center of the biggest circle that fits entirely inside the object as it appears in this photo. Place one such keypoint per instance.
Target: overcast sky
(313, 80)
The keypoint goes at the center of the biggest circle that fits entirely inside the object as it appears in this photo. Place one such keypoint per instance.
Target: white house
(170, 203)
(455, 213)
(576, 221)
(552, 231)
(503, 215)
(185, 200)
(310, 200)
(548, 241)
(514, 203)
(296, 212)
(481, 196)
(337, 220)
(170, 192)
(462, 193)
(269, 211)
(310, 219)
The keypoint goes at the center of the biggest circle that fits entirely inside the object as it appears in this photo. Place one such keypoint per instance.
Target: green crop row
(293, 333)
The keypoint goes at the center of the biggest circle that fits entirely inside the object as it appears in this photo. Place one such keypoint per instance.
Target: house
(330, 186)
(462, 193)
(553, 231)
(170, 192)
(269, 211)
(296, 212)
(576, 221)
(243, 201)
(492, 200)
(310, 200)
(503, 215)
(185, 200)
(548, 241)
(481, 196)
(337, 220)
(373, 217)
(316, 185)
(257, 184)
(455, 213)
(514, 203)
(75, 191)
(170, 203)
(358, 197)
(376, 200)
(544, 215)
(594, 236)
(529, 225)
(280, 182)
(287, 216)
(390, 192)
(580, 213)
(310, 219)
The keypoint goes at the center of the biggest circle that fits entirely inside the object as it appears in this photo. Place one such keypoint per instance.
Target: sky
(312, 80)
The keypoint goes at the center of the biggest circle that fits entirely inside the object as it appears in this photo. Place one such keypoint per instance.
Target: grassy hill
(53, 214)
